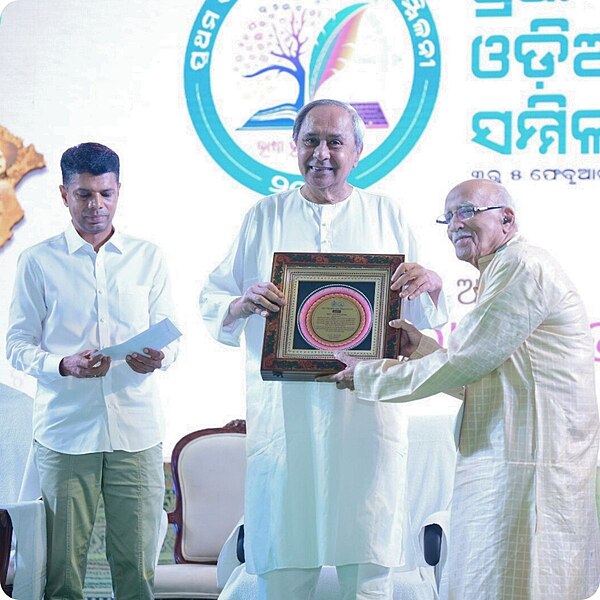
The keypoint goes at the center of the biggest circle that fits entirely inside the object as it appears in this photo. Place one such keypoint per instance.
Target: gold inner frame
(294, 274)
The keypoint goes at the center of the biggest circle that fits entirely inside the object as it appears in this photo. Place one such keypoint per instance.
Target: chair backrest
(209, 472)
(15, 440)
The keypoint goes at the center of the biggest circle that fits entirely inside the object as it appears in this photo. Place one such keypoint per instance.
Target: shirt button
(100, 292)
(101, 319)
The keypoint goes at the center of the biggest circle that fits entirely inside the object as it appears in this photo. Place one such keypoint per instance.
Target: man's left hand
(416, 279)
(147, 362)
(344, 380)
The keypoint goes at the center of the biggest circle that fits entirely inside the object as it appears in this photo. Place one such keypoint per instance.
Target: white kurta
(524, 523)
(325, 482)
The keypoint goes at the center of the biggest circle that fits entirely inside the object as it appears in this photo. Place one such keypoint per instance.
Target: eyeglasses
(463, 213)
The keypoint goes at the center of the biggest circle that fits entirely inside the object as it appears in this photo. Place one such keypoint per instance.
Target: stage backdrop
(197, 97)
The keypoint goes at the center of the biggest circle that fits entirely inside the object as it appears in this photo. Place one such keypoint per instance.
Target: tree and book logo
(334, 47)
(249, 69)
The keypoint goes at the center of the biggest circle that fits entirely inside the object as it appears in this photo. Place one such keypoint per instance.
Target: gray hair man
(524, 524)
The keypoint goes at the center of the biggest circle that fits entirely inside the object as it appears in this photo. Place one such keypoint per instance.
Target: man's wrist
(230, 317)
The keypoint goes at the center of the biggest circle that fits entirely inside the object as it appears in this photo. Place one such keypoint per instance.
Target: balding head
(486, 230)
(490, 192)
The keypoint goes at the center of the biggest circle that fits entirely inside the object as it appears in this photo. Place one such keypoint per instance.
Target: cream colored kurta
(524, 523)
(326, 472)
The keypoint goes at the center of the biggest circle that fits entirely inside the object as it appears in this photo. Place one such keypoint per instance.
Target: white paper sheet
(156, 337)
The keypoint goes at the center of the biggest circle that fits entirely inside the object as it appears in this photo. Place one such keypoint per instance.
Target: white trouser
(357, 582)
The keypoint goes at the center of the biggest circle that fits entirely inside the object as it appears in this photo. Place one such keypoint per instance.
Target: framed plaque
(334, 302)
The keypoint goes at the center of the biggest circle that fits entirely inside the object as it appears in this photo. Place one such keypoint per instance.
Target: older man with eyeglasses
(524, 524)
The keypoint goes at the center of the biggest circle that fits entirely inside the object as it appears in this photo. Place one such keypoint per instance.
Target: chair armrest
(432, 543)
(239, 547)
(231, 555)
(433, 539)
(6, 530)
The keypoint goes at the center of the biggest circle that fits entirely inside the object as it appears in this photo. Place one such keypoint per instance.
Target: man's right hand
(410, 336)
(259, 299)
(82, 365)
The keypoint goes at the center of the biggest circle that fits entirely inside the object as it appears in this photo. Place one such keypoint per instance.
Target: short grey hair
(358, 125)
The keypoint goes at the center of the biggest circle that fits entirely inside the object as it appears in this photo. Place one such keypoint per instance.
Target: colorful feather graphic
(335, 46)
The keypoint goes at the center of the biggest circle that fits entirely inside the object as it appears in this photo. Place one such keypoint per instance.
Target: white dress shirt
(68, 298)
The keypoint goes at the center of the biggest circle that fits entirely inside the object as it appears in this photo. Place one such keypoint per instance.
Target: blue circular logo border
(263, 179)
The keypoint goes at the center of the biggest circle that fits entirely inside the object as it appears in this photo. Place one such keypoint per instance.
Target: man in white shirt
(97, 423)
(326, 476)
(524, 523)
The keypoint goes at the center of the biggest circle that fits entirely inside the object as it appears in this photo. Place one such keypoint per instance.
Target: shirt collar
(75, 242)
(484, 261)
(336, 204)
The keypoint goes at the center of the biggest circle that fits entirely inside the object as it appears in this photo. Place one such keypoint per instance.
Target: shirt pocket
(133, 306)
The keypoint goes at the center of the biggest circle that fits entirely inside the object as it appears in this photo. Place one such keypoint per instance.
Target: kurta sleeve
(27, 314)
(224, 285)
(424, 314)
(512, 305)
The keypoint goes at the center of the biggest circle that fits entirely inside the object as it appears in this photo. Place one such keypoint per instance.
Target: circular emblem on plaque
(335, 318)
(250, 66)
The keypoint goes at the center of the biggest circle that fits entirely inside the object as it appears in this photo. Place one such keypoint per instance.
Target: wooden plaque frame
(290, 351)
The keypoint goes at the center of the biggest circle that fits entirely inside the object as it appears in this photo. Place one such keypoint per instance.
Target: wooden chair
(209, 468)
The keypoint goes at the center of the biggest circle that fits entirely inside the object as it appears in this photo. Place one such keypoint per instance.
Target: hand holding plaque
(259, 299)
(333, 302)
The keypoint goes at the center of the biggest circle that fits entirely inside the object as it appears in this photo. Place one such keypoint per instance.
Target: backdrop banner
(198, 98)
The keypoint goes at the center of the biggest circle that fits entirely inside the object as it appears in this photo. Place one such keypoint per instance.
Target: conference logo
(250, 66)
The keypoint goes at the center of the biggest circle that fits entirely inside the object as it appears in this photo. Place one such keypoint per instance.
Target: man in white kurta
(325, 479)
(524, 522)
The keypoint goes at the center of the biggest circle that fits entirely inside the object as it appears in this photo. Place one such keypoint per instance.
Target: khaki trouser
(132, 485)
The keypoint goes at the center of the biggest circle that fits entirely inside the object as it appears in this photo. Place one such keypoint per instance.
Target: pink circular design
(312, 302)
(338, 343)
